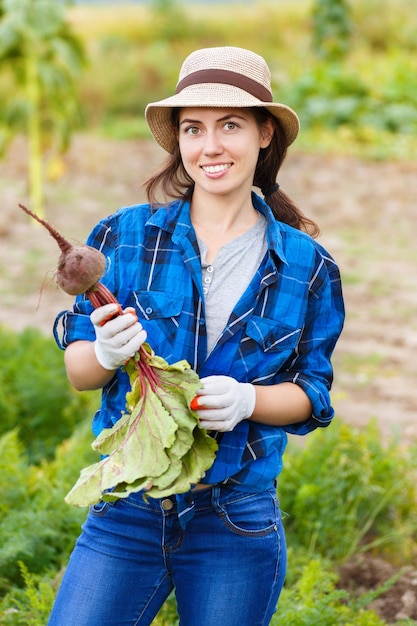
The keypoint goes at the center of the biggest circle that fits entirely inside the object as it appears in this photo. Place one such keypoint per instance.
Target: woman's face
(220, 147)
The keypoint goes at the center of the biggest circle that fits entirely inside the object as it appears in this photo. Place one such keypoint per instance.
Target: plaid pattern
(284, 327)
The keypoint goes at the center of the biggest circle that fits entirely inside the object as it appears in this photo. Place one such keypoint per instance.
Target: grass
(365, 367)
(365, 143)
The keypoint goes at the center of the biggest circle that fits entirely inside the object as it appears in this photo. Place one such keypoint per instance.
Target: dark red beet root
(79, 267)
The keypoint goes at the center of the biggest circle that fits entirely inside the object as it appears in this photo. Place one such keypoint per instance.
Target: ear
(267, 132)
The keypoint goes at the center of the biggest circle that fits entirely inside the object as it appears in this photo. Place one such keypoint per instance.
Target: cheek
(189, 154)
(252, 152)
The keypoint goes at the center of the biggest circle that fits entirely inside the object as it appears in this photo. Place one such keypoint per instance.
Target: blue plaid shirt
(283, 329)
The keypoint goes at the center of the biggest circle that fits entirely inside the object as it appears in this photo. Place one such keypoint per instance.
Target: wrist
(249, 393)
(103, 358)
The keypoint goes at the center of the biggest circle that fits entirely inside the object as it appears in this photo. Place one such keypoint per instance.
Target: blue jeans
(227, 566)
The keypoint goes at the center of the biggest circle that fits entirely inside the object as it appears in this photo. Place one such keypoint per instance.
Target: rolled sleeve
(322, 413)
(74, 325)
(312, 368)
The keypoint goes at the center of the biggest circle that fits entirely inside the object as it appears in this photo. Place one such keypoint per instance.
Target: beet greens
(157, 445)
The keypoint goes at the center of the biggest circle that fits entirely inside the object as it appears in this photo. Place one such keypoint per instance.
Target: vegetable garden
(348, 493)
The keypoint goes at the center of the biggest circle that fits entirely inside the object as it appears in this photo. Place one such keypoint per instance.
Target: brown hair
(174, 182)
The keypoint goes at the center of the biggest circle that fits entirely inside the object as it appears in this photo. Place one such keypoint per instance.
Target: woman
(233, 284)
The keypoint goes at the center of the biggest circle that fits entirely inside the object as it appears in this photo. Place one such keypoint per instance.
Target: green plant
(29, 606)
(41, 58)
(37, 528)
(35, 395)
(171, 20)
(348, 491)
(329, 95)
(331, 29)
(314, 599)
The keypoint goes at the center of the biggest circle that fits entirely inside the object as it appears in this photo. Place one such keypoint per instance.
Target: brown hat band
(226, 77)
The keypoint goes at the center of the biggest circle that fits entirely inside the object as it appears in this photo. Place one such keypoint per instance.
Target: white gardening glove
(117, 339)
(223, 402)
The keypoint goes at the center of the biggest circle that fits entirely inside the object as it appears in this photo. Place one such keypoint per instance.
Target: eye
(192, 130)
(230, 125)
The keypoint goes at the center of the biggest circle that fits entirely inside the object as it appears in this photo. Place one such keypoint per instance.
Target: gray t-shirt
(226, 279)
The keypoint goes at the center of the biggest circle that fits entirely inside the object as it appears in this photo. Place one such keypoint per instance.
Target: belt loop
(215, 497)
(185, 508)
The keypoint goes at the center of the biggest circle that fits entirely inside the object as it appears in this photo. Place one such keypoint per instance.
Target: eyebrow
(228, 116)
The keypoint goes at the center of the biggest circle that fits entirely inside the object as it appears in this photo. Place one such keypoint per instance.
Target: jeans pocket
(100, 508)
(250, 515)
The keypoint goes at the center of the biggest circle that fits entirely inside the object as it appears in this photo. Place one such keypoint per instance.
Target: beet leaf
(157, 445)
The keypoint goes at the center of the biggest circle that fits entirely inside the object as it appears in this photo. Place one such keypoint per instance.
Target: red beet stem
(64, 245)
(99, 295)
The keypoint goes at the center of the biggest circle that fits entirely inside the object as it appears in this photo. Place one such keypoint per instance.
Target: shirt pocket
(275, 342)
(157, 304)
(271, 335)
(159, 312)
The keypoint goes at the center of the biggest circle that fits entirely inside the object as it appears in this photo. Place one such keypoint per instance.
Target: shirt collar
(175, 218)
(273, 229)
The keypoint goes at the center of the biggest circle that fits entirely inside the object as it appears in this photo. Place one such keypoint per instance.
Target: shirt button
(148, 311)
(167, 504)
(210, 268)
(207, 280)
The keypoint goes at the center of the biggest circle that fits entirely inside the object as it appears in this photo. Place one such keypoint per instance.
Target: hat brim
(159, 114)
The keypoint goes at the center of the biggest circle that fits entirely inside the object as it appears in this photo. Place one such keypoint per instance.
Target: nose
(213, 144)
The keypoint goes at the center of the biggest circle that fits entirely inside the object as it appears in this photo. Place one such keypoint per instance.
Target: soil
(363, 574)
(367, 214)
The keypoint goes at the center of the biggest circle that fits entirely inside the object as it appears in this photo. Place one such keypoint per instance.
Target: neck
(222, 213)
(220, 220)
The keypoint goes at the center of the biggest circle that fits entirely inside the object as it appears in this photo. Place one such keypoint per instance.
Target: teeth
(215, 169)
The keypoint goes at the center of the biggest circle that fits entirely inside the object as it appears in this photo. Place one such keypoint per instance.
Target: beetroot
(78, 272)
(158, 444)
(79, 267)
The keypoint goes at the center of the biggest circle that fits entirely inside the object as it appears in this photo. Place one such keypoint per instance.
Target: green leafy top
(157, 445)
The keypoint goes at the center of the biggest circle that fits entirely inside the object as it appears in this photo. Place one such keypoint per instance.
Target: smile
(215, 169)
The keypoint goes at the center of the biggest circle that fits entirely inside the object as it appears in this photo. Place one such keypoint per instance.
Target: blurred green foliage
(37, 528)
(40, 59)
(347, 491)
(348, 68)
(315, 599)
(35, 396)
(324, 57)
(38, 34)
(332, 29)
(342, 491)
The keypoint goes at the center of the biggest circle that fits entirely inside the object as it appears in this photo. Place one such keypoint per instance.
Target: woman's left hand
(223, 402)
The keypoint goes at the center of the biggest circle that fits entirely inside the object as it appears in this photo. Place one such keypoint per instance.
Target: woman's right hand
(117, 338)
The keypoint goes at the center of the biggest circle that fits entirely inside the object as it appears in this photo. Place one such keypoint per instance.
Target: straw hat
(219, 77)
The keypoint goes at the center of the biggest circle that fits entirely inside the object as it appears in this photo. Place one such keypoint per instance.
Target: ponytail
(269, 163)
